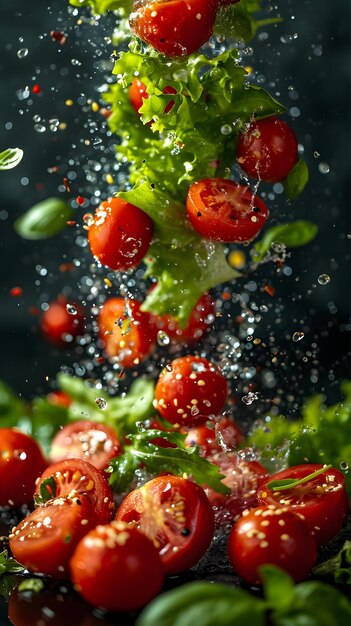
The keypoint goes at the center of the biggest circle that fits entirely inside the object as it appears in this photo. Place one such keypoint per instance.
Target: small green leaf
(9, 565)
(289, 483)
(47, 491)
(296, 180)
(31, 584)
(339, 566)
(44, 219)
(10, 158)
(278, 586)
(292, 235)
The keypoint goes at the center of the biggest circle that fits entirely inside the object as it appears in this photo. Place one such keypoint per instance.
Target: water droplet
(278, 246)
(162, 338)
(101, 403)
(344, 465)
(22, 53)
(194, 410)
(316, 154)
(39, 128)
(298, 335)
(324, 168)
(75, 62)
(249, 398)
(324, 279)
(169, 367)
(226, 129)
(71, 309)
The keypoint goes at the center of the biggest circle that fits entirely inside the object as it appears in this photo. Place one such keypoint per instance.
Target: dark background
(304, 61)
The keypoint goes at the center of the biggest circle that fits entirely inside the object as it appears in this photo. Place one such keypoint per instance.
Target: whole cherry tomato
(138, 93)
(199, 324)
(223, 434)
(62, 322)
(86, 440)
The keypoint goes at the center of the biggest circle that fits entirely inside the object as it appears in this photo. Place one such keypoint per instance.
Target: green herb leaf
(47, 491)
(206, 604)
(279, 587)
(339, 566)
(10, 158)
(155, 459)
(292, 235)
(296, 180)
(44, 219)
(290, 483)
(99, 7)
(8, 565)
(31, 584)
(237, 21)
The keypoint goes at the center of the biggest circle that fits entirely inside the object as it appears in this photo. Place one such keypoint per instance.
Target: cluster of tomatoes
(165, 526)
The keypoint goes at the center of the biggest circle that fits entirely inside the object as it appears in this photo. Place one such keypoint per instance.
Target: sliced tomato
(176, 515)
(271, 535)
(128, 333)
(223, 210)
(117, 568)
(21, 462)
(321, 502)
(87, 440)
(45, 540)
(74, 477)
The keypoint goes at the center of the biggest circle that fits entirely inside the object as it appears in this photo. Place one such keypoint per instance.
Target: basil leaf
(289, 483)
(292, 235)
(44, 219)
(9, 565)
(339, 566)
(279, 587)
(315, 603)
(10, 158)
(296, 180)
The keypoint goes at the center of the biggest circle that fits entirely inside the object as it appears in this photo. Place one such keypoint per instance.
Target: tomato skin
(138, 93)
(59, 398)
(285, 541)
(199, 324)
(192, 382)
(174, 27)
(86, 440)
(321, 501)
(117, 568)
(58, 326)
(225, 434)
(176, 515)
(45, 540)
(80, 478)
(131, 341)
(21, 462)
(120, 234)
(223, 210)
(268, 150)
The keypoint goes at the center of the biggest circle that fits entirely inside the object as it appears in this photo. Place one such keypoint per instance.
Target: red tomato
(174, 27)
(224, 435)
(322, 501)
(160, 441)
(59, 325)
(271, 535)
(87, 440)
(223, 210)
(175, 514)
(128, 333)
(117, 568)
(243, 478)
(74, 477)
(21, 462)
(45, 540)
(190, 389)
(267, 150)
(138, 93)
(59, 398)
(120, 234)
(200, 322)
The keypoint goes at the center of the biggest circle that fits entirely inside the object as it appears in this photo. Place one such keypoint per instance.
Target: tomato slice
(176, 515)
(74, 477)
(223, 210)
(45, 540)
(321, 502)
(87, 440)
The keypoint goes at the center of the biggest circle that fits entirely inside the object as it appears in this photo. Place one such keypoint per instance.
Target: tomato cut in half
(74, 477)
(62, 322)
(119, 234)
(271, 535)
(138, 93)
(128, 333)
(176, 515)
(174, 27)
(87, 440)
(268, 150)
(21, 462)
(45, 540)
(223, 210)
(117, 568)
(321, 502)
(190, 389)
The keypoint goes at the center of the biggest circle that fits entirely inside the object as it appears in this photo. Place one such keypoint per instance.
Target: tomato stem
(289, 483)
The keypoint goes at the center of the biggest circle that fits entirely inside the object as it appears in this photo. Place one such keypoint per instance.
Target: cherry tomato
(21, 462)
(79, 478)
(62, 322)
(176, 515)
(268, 150)
(200, 322)
(59, 398)
(190, 389)
(128, 333)
(87, 440)
(119, 234)
(243, 478)
(176, 27)
(224, 435)
(138, 93)
(271, 535)
(322, 501)
(45, 540)
(117, 568)
(223, 210)
(160, 441)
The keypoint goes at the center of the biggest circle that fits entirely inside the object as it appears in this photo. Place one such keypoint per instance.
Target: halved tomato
(176, 515)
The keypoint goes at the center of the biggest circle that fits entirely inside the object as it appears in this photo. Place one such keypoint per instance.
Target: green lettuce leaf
(338, 566)
(99, 7)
